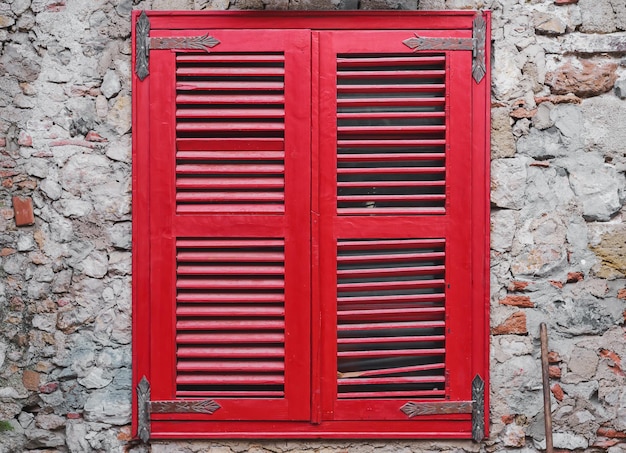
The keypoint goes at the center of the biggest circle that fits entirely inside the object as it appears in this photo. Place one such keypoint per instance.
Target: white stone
(111, 84)
(567, 441)
(108, 407)
(597, 187)
(503, 225)
(26, 243)
(96, 379)
(3, 353)
(95, 265)
(508, 182)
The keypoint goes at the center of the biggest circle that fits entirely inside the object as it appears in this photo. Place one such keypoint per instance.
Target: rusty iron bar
(545, 374)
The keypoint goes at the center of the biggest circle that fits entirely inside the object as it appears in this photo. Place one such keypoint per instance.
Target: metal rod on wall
(545, 374)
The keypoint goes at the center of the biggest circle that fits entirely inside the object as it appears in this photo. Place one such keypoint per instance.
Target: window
(310, 199)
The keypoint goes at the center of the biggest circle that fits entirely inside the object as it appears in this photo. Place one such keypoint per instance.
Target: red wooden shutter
(230, 308)
(395, 249)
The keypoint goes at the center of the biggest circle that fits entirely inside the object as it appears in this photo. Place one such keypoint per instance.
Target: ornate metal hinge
(476, 44)
(145, 407)
(143, 44)
(476, 407)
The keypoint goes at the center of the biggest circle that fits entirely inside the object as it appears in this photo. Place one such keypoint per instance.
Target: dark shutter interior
(230, 317)
(230, 133)
(391, 318)
(391, 134)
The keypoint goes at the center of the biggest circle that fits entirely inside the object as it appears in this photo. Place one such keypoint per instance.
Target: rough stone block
(508, 183)
(584, 78)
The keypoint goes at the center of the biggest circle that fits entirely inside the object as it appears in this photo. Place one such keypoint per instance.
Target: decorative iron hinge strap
(476, 44)
(147, 407)
(476, 407)
(143, 44)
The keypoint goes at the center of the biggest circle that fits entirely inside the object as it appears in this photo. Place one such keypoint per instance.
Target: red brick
(25, 139)
(554, 357)
(518, 301)
(556, 284)
(574, 277)
(7, 251)
(565, 2)
(621, 294)
(521, 112)
(125, 434)
(615, 361)
(611, 432)
(508, 419)
(554, 371)
(23, 208)
(50, 387)
(517, 285)
(74, 415)
(513, 325)
(557, 391)
(93, 136)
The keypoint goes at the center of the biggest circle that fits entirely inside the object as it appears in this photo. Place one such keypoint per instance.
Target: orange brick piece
(518, 301)
(23, 208)
(513, 325)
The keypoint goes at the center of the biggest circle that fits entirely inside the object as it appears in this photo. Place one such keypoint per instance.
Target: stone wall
(558, 230)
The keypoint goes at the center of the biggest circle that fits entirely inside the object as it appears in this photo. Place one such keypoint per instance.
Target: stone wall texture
(558, 244)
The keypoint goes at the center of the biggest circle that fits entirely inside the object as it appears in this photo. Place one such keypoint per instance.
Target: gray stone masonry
(558, 226)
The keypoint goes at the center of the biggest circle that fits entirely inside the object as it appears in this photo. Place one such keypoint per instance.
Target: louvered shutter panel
(229, 209)
(394, 249)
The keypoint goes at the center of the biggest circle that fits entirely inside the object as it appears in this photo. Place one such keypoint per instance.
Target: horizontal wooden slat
(390, 101)
(391, 380)
(403, 244)
(388, 314)
(225, 113)
(227, 243)
(239, 257)
(230, 183)
(230, 155)
(252, 311)
(390, 74)
(201, 297)
(372, 353)
(230, 71)
(391, 325)
(230, 270)
(380, 115)
(390, 88)
(231, 393)
(230, 352)
(235, 283)
(398, 298)
(229, 197)
(389, 285)
(388, 130)
(230, 208)
(217, 366)
(390, 170)
(217, 58)
(230, 379)
(394, 370)
(387, 340)
(229, 338)
(230, 144)
(386, 60)
(230, 99)
(389, 257)
(382, 143)
(388, 157)
(230, 324)
(390, 198)
(394, 394)
(257, 85)
(389, 272)
(229, 126)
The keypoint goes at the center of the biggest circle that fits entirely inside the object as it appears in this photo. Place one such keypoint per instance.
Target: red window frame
(310, 226)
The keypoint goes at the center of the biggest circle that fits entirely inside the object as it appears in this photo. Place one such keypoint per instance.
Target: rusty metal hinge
(145, 407)
(476, 407)
(143, 44)
(476, 44)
